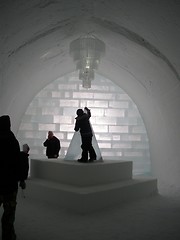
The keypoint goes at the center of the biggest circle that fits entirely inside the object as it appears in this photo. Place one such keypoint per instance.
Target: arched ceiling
(36, 35)
(142, 41)
(154, 22)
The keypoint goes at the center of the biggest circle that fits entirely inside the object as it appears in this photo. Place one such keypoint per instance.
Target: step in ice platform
(81, 174)
(88, 199)
(83, 188)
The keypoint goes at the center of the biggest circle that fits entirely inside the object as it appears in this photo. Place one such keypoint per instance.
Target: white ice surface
(154, 218)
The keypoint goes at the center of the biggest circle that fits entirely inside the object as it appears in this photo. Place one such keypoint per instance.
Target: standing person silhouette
(9, 167)
(52, 145)
(24, 165)
(83, 124)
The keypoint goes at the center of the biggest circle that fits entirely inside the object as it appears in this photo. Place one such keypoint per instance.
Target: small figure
(83, 124)
(24, 165)
(52, 145)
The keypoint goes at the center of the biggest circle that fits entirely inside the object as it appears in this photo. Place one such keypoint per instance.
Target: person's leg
(84, 155)
(91, 150)
(8, 218)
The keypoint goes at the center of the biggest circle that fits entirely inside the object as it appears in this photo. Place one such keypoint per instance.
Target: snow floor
(153, 218)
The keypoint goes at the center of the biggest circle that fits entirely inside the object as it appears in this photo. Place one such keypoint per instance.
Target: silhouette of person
(9, 164)
(82, 124)
(52, 145)
(24, 165)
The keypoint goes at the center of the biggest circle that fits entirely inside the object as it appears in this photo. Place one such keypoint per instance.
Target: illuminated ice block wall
(116, 121)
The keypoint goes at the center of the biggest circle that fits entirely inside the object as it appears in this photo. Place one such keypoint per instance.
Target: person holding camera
(82, 124)
(52, 145)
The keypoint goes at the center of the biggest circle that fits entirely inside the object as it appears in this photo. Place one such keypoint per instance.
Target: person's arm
(45, 143)
(23, 169)
(58, 147)
(88, 112)
(76, 128)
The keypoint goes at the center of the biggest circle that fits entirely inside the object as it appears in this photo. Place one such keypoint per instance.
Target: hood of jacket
(5, 123)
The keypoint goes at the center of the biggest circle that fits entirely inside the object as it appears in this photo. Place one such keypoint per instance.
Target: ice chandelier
(87, 52)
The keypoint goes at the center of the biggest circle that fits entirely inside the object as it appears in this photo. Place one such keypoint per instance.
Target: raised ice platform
(81, 174)
(85, 187)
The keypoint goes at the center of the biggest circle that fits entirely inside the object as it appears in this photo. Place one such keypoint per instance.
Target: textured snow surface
(155, 218)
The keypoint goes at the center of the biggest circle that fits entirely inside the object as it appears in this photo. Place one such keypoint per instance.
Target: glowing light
(86, 52)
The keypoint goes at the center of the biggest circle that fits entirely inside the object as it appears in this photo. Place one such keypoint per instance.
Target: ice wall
(116, 121)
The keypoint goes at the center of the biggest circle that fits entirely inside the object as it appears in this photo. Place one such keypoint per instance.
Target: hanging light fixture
(87, 52)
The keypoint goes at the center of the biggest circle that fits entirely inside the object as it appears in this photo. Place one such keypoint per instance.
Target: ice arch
(118, 126)
(34, 53)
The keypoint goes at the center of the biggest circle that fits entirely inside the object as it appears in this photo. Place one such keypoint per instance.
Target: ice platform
(85, 187)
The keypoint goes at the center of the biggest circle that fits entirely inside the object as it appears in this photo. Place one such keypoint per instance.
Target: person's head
(5, 123)
(50, 134)
(26, 148)
(79, 112)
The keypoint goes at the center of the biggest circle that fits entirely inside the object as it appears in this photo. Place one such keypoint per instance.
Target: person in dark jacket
(83, 124)
(9, 164)
(52, 145)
